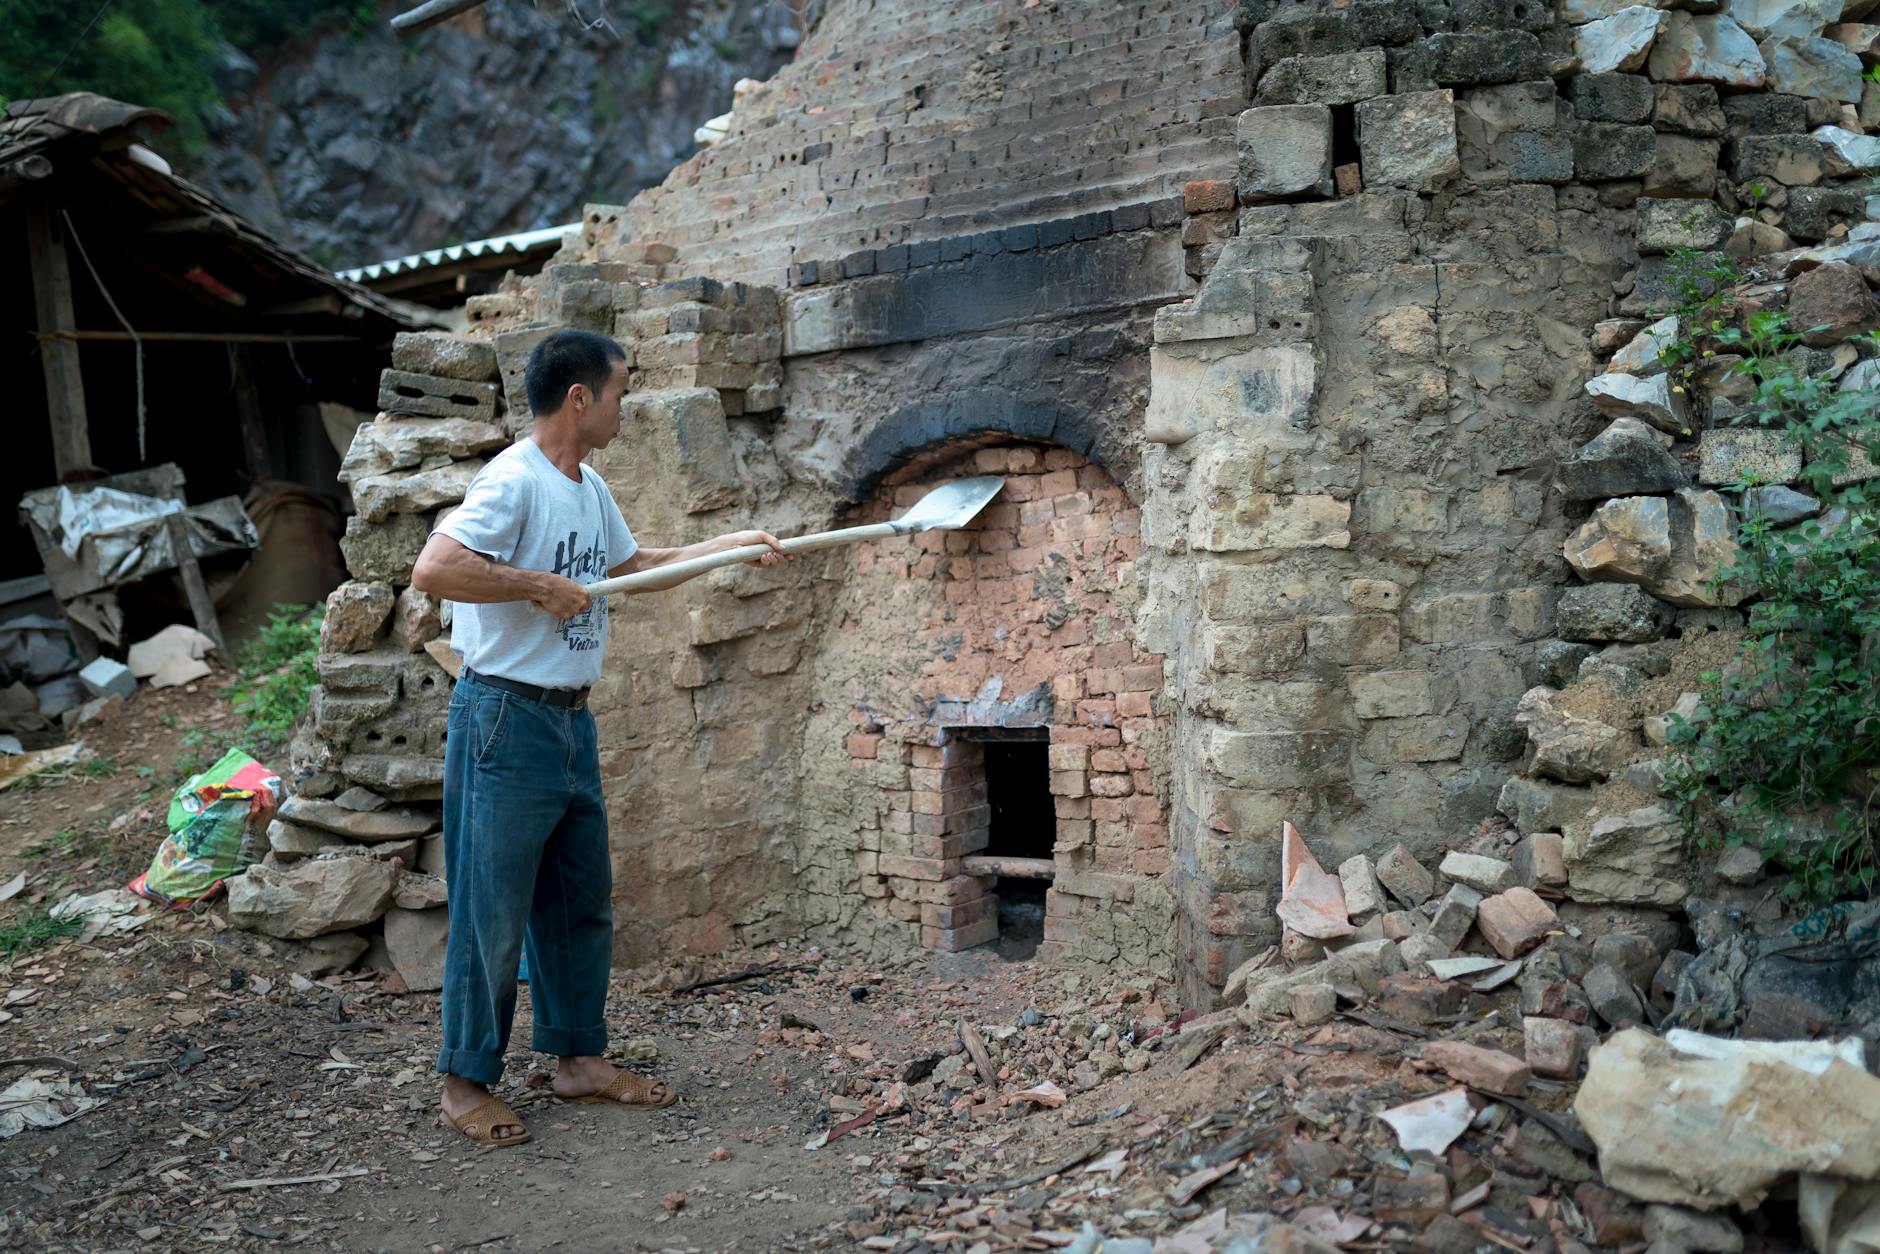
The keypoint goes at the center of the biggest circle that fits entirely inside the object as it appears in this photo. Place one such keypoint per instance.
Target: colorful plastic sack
(218, 823)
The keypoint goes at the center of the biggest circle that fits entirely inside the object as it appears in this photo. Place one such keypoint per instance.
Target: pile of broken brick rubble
(1459, 1059)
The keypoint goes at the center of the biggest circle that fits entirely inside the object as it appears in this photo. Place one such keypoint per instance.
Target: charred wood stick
(40, 1060)
(749, 973)
(976, 1047)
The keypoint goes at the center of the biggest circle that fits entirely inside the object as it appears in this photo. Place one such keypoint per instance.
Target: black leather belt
(564, 698)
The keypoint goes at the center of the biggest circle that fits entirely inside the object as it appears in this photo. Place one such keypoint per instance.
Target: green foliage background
(151, 52)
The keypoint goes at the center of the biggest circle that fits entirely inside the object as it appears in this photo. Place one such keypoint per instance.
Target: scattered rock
(1311, 1004)
(415, 939)
(1681, 1228)
(1612, 996)
(1636, 858)
(1483, 874)
(1406, 878)
(312, 897)
(1553, 1047)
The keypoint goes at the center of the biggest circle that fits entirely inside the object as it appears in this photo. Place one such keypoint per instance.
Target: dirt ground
(248, 1107)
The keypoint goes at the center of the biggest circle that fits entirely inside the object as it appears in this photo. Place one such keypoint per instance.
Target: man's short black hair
(564, 359)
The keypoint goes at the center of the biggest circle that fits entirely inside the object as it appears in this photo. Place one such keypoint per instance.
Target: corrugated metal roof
(519, 242)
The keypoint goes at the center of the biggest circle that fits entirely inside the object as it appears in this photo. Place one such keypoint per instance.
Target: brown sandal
(481, 1123)
(635, 1092)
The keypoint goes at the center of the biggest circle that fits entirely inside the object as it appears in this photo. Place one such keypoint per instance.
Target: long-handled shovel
(947, 508)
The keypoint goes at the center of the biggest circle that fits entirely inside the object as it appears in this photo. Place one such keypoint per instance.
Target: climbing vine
(1783, 753)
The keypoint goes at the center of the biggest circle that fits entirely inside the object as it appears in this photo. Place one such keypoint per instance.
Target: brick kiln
(1276, 317)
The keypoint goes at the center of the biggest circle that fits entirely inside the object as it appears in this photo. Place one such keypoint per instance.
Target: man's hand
(777, 552)
(564, 598)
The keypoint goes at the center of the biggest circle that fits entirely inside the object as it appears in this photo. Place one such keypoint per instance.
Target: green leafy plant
(279, 668)
(33, 931)
(1784, 751)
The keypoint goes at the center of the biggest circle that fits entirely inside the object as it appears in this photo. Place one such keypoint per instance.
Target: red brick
(1151, 861)
(951, 891)
(913, 868)
(1111, 786)
(1068, 757)
(1101, 713)
(1069, 783)
(1135, 704)
(1140, 678)
(1073, 807)
(1489, 1070)
(960, 916)
(1208, 196)
(1024, 460)
(1108, 809)
(954, 940)
(1151, 835)
(1061, 459)
(863, 746)
(1073, 833)
(1057, 482)
(1515, 921)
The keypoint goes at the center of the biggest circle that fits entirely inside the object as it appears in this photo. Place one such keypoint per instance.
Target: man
(525, 827)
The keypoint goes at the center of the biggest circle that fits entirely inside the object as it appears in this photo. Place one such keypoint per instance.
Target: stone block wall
(1357, 424)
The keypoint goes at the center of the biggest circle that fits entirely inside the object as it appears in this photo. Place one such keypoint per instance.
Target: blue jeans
(525, 845)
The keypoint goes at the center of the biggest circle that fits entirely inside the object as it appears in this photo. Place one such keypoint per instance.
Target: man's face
(600, 422)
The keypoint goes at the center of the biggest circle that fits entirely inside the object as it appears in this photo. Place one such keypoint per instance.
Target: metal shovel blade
(950, 506)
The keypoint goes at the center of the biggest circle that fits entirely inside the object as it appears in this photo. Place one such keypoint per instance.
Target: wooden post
(65, 386)
(200, 606)
(248, 410)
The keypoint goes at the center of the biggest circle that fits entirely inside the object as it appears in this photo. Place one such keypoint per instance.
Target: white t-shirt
(520, 510)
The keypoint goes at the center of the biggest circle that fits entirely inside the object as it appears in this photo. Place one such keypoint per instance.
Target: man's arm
(449, 571)
(652, 559)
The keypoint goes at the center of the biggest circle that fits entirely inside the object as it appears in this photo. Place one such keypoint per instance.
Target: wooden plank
(248, 411)
(52, 301)
(429, 14)
(1014, 868)
(200, 606)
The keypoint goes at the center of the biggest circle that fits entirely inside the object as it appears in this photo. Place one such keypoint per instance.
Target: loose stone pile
(355, 866)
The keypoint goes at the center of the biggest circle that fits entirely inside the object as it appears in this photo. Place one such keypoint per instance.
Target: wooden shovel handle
(747, 553)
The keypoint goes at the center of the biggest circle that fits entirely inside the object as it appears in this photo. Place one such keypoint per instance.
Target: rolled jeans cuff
(569, 1042)
(485, 1069)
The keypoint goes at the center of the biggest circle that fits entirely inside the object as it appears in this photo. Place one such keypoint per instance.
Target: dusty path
(249, 1107)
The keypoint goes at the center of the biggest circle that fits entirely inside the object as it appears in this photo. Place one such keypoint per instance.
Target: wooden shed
(153, 326)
